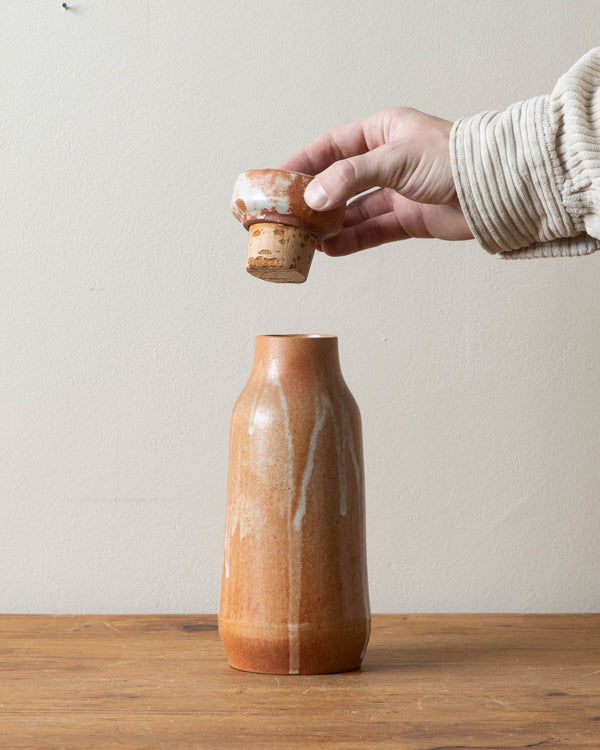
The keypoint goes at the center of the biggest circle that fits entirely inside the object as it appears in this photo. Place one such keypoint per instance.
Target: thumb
(348, 177)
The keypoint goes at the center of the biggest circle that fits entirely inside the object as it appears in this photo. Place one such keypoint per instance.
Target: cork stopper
(279, 253)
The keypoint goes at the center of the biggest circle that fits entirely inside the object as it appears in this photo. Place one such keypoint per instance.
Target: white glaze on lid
(249, 193)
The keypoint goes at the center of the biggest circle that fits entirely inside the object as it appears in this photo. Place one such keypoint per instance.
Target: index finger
(351, 139)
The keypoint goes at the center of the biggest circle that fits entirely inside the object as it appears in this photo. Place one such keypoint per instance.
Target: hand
(402, 152)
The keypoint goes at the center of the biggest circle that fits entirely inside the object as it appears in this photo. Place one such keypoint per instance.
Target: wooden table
(428, 681)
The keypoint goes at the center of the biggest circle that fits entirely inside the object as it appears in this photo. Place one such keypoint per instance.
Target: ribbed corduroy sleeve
(528, 178)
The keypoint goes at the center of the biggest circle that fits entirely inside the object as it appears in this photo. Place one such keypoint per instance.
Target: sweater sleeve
(528, 178)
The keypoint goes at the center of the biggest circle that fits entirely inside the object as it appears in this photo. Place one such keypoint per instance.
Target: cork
(279, 253)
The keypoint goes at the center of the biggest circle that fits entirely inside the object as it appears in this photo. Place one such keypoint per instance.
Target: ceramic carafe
(294, 592)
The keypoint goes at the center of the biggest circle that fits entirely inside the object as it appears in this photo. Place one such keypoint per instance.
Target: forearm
(528, 178)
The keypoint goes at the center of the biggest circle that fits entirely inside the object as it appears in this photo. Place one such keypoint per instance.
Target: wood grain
(428, 682)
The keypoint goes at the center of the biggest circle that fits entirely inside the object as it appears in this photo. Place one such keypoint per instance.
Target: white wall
(127, 319)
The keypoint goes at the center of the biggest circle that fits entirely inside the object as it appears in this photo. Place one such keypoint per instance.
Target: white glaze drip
(320, 415)
(231, 524)
(340, 444)
(226, 553)
(348, 438)
(295, 534)
(294, 551)
(294, 648)
(364, 648)
(253, 410)
(288, 435)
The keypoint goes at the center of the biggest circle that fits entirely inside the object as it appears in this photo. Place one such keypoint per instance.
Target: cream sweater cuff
(528, 178)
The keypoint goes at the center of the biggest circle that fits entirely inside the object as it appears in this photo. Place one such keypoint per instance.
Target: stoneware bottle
(294, 592)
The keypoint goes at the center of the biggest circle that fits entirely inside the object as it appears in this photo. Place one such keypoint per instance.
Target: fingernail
(315, 196)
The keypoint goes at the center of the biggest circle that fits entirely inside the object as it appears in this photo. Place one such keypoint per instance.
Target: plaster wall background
(127, 319)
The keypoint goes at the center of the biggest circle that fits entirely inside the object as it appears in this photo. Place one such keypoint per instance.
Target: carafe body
(294, 591)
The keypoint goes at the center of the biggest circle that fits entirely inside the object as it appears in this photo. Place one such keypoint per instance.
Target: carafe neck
(296, 355)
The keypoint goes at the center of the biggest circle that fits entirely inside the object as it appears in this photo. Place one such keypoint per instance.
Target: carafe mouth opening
(298, 336)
